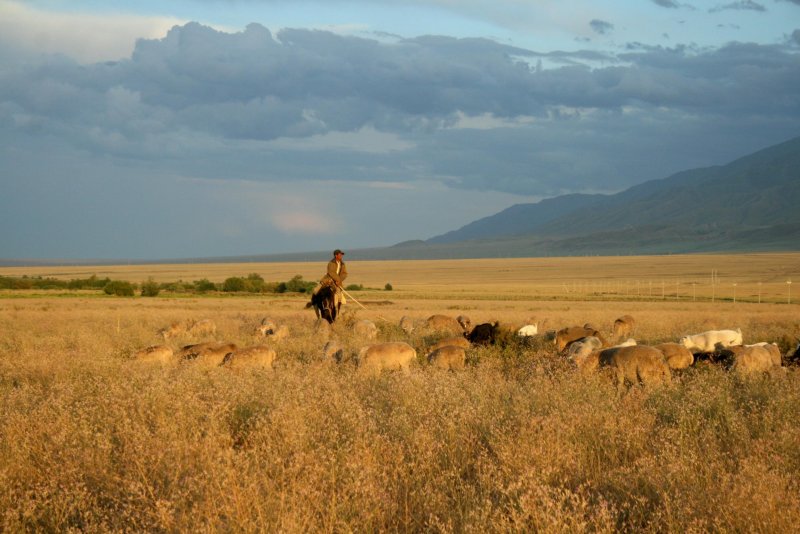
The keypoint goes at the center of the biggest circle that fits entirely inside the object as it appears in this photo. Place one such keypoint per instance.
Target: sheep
(155, 354)
(465, 322)
(528, 330)
(793, 356)
(266, 328)
(204, 327)
(623, 327)
(636, 364)
(256, 356)
(280, 333)
(565, 336)
(333, 350)
(455, 341)
(630, 342)
(365, 329)
(773, 349)
(581, 350)
(206, 354)
(677, 356)
(448, 357)
(711, 340)
(407, 324)
(391, 355)
(746, 360)
(443, 323)
(484, 334)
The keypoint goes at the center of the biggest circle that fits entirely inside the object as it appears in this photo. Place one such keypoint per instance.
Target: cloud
(741, 5)
(243, 105)
(667, 3)
(86, 37)
(600, 26)
(279, 133)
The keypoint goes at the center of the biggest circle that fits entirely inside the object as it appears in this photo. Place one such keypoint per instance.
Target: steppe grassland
(91, 441)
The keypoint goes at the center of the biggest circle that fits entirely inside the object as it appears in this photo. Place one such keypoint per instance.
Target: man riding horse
(327, 303)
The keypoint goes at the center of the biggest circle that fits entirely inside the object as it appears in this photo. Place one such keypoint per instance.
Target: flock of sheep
(584, 346)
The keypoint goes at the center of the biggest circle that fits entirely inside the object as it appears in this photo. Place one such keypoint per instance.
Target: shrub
(234, 284)
(204, 285)
(255, 283)
(388, 286)
(354, 287)
(150, 288)
(298, 285)
(121, 288)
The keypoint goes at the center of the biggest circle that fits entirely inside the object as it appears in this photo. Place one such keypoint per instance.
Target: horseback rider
(334, 277)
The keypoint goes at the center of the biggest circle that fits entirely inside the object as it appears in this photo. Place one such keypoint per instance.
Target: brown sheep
(204, 327)
(582, 348)
(677, 356)
(448, 357)
(638, 364)
(623, 327)
(455, 341)
(392, 355)
(206, 354)
(256, 356)
(565, 336)
(407, 324)
(465, 322)
(750, 359)
(365, 329)
(155, 354)
(266, 328)
(443, 323)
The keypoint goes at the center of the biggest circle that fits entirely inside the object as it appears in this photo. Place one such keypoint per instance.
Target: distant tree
(204, 285)
(150, 288)
(234, 284)
(388, 286)
(121, 288)
(298, 285)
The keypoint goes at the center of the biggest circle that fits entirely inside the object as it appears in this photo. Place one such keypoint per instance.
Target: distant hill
(749, 204)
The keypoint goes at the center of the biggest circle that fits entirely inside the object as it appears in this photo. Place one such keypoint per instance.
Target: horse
(324, 303)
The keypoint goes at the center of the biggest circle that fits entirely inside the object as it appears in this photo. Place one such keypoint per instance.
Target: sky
(200, 128)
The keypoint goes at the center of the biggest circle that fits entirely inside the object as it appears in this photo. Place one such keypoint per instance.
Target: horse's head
(324, 303)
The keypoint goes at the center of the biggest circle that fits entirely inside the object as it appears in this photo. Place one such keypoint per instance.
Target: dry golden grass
(756, 276)
(92, 441)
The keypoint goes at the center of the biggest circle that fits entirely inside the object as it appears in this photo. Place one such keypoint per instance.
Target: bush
(354, 287)
(150, 288)
(204, 285)
(298, 285)
(388, 286)
(234, 284)
(121, 288)
(255, 283)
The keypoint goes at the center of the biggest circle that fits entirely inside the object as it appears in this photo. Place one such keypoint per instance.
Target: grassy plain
(93, 441)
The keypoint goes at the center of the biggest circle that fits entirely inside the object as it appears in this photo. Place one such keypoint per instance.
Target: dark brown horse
(324, 303)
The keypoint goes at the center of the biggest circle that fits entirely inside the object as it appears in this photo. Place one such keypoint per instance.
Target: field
(92, 440)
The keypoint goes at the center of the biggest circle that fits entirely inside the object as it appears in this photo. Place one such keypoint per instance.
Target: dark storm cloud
(600, 26)
(209, 103)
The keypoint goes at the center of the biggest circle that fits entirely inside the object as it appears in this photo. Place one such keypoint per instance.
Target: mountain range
(750, 204)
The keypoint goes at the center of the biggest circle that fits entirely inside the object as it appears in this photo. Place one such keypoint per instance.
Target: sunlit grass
(93, 441)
